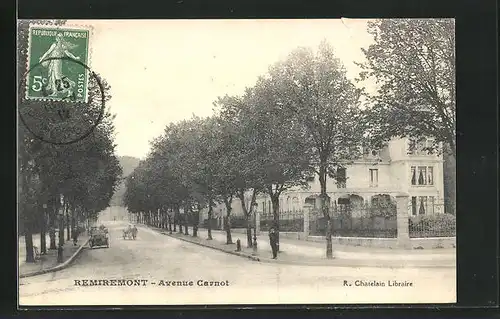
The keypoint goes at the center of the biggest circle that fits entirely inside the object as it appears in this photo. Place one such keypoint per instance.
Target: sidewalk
(48, 262)
(299, 252)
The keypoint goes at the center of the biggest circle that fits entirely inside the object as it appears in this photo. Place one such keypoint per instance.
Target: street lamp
(254, 244)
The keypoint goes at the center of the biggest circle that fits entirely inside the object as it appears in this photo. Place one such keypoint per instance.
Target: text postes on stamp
(53, 76)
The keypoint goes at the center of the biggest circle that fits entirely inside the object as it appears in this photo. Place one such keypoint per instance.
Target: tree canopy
(413, 63)
(85, 172)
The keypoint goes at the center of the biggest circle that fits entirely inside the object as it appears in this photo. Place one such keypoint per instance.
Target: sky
(163, 71)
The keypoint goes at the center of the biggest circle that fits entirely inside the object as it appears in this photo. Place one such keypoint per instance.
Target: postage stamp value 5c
(57, 60)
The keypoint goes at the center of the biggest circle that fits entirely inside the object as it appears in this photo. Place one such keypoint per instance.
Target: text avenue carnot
(146, 282)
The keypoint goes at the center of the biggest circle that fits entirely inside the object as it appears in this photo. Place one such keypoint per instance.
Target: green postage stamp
(58, 61)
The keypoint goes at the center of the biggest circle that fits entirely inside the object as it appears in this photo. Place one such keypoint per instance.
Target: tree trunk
(244, 208)
(229, 239)
(276, 216)
(324, 208)
(52, 227)
(74, 232)
(165, 218)
(68, 226)
(169, 219)
(196, 221)
(43, 240)
(28, 238)
(209, 224)
(227, 227)
(186, 221)
(249, 232)
(61, 230)
(175, 221)
(162, 219)
(179, 219)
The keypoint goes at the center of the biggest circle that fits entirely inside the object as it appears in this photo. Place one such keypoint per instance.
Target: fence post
(403, 232)
(306, 222)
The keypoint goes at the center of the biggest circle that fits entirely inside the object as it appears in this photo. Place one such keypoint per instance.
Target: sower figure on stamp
(57, 81)
(273, 240)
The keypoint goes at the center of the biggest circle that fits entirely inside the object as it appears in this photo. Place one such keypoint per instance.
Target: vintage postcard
(246, 162)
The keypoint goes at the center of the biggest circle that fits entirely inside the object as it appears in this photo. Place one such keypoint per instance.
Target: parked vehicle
(99, 238)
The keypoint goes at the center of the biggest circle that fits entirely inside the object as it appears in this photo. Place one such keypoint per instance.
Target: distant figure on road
(134, 232)
(103, 228)
(273, 240)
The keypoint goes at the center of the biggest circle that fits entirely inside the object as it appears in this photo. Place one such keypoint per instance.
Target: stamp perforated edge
(85, 27)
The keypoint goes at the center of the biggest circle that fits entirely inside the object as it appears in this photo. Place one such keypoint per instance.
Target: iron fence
(362, 220)
(431, 218)
(238, 222)
(214, 223)
(289, 221)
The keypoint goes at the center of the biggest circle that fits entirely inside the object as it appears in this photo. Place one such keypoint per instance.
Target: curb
(349, 263)
(58, 267)
(236, 253)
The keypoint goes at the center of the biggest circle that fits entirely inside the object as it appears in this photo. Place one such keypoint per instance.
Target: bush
(383, 209)
(433, 222)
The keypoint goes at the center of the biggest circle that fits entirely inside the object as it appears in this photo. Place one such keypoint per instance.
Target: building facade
(397, 168)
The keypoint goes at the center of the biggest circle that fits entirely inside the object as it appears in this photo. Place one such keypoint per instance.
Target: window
(373, 177)
(430, 175)
(411, 147)
(311, 201)
(420, 148)
(431, 204)
(421, 205)
(295, 204)
(341, 177)
(422, 175)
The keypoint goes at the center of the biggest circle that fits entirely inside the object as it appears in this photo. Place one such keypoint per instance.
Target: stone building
(378, 174)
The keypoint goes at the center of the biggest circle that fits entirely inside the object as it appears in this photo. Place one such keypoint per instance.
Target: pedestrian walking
(273, 240)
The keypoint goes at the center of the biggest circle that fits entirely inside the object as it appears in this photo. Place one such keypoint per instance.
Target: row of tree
(62, 184)
(303, 118)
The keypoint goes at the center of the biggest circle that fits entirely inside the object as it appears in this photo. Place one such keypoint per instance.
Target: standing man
(273, 240)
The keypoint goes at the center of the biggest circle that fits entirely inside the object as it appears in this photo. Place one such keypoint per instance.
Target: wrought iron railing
(289, 221)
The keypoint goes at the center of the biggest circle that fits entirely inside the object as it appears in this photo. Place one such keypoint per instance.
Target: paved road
(154, 257)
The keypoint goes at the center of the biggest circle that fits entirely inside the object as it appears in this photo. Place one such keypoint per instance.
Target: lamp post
(254, 244)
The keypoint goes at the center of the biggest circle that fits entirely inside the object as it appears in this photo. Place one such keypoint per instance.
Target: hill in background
(128, 164)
